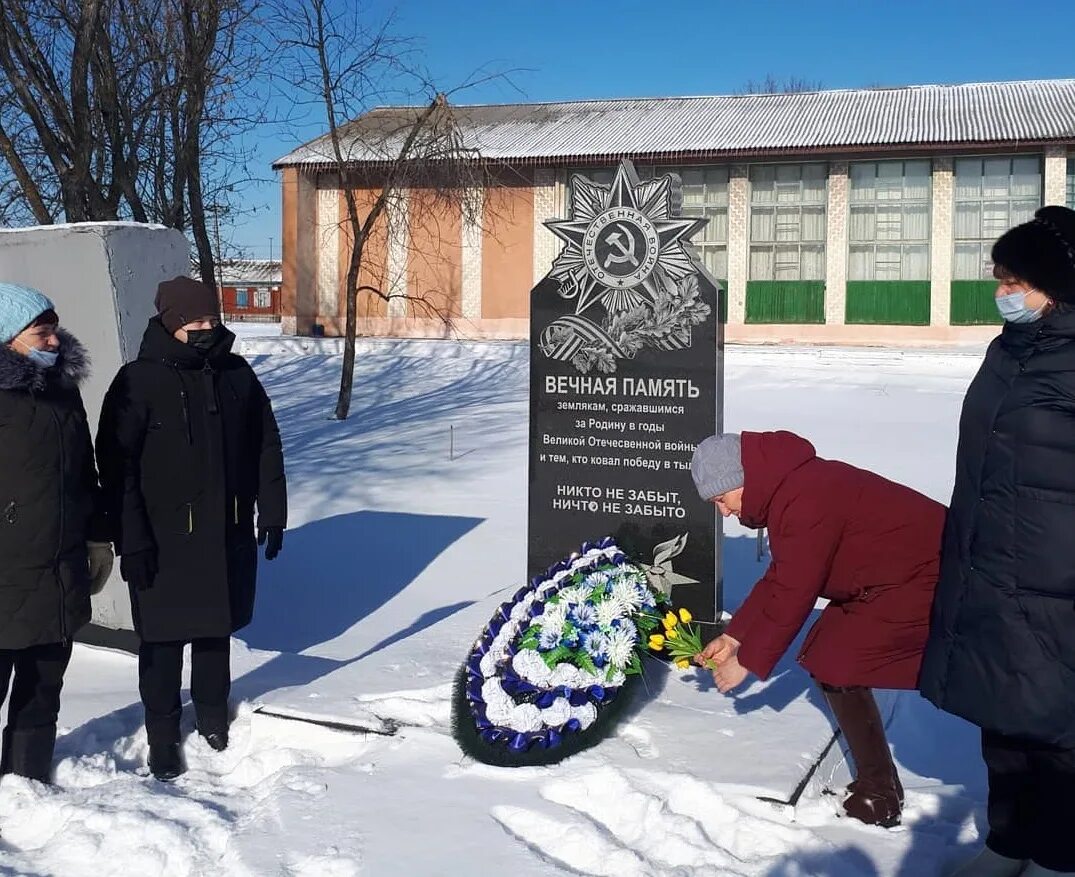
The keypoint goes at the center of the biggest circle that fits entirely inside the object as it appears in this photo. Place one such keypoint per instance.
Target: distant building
(856, 216)
(250, 290)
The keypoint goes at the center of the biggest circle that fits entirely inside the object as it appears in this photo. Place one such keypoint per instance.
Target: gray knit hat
(717, 465)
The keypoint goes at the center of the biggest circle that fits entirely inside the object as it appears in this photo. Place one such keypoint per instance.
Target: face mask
(204, 340)
(44, 358)
(1013, 308)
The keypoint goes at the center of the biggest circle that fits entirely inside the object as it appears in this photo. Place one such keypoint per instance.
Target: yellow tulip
(685, 616)
(672, 634)
(656, 642)
(670, 621)
(683, 663)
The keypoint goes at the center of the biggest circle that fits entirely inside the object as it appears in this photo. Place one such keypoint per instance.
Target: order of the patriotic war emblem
(626, 269)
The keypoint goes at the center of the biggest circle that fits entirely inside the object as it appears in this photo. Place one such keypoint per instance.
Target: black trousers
(1031, 801)
(160, 672)
(35, 694)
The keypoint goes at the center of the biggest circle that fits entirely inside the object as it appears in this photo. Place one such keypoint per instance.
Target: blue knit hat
(19, 307)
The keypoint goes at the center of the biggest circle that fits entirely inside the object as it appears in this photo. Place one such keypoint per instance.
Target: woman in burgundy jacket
(868, 545)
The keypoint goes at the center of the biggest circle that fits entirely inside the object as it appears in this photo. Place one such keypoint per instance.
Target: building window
(705, 194)
(1071, 183)
(992, 195)
(787, 222)
(242, 299)
(263, 299)
(889, 231)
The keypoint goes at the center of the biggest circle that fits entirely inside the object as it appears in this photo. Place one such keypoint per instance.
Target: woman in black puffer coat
(49, 512)
(190, 455)
(1001, 651)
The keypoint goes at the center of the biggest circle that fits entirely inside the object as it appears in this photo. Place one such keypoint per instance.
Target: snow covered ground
(408, 521)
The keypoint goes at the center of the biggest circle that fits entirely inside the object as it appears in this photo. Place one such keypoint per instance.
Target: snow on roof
(237, 272)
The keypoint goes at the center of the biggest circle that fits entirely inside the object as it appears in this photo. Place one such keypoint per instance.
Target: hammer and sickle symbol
(627, 253)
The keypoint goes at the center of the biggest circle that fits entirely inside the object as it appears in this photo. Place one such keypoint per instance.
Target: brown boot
(876, 796)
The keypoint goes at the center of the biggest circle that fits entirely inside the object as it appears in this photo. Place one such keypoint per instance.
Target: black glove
(273, 540)
(139, 569)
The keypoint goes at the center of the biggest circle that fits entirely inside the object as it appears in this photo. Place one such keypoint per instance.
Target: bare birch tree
(348, 65)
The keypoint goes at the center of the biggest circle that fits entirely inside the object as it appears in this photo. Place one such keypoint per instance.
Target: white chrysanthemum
(598, 579)
(627, 592)
(553, 618)
(621, 644)
(609, 610)
(575, 594)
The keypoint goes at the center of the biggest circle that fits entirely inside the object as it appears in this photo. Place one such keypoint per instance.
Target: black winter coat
(1001, 650)
(188, 446)
(49, 499)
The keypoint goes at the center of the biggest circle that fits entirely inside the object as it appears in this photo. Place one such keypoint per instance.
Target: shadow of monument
(334, 572)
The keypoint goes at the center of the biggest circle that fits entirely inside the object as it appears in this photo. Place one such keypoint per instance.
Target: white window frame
(787, 205)
(1014, 208)
(869, 201)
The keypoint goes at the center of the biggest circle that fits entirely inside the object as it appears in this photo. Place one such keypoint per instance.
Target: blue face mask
(1013, 308)
(44, 358)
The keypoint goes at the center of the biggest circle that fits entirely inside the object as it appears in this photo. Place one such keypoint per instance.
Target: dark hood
(768, 459)
(159, 345)
(18, 372)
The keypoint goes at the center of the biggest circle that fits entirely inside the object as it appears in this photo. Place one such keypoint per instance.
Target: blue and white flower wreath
(554, 667)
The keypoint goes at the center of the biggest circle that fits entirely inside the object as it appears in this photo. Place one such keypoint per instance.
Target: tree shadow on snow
(335, 572)
(403, 401)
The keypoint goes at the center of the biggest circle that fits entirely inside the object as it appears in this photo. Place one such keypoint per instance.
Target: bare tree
(347, 65)
(774, 85)
(115, 109)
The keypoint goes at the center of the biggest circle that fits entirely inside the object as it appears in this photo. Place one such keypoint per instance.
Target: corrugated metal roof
(982, 113)
(238, 272)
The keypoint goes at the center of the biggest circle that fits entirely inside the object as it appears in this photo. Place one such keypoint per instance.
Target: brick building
(835, 217)
(250, 290)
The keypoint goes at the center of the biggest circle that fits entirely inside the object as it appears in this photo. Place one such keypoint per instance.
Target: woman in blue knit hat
(48, 517)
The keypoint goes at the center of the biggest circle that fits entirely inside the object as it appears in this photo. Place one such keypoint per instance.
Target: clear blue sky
(560, 50)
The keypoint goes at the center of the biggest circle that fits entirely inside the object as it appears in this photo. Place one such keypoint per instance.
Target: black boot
(165, 762)
(217, 740)
(27, 752)
(876, 796)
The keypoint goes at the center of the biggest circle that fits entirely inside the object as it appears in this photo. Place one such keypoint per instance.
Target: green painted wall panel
(888, 302)
(785, 301)
(973, 303)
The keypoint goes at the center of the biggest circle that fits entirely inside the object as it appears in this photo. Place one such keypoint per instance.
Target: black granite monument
(626, 377)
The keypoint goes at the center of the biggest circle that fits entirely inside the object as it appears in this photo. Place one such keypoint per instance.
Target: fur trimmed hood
(18, 372)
